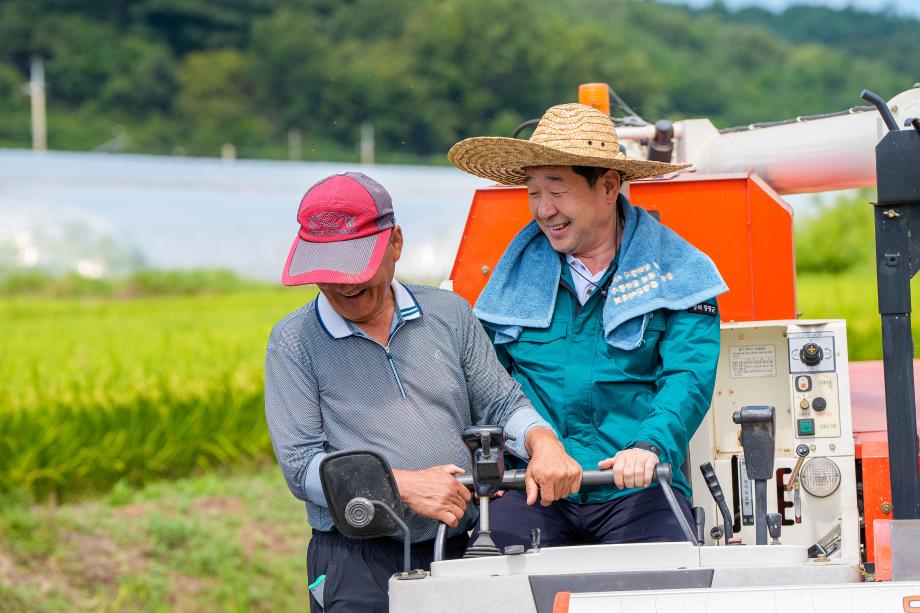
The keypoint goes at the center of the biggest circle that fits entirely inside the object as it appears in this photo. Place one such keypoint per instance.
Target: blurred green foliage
(837, 237)
(191, 75)
(884, 36)
(146, 282)
(835, 262)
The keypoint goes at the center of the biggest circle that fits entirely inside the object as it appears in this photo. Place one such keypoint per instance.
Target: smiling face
(576, 218)
(373, 299)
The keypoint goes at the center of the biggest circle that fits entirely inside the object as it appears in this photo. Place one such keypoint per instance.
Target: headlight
(820, 477)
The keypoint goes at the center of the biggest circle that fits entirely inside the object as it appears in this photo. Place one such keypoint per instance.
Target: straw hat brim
(504, 159)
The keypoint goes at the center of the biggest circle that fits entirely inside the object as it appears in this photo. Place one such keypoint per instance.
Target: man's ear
(396, 242)
(612, 182)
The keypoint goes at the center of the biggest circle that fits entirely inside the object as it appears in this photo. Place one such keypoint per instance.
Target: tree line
(162, 76)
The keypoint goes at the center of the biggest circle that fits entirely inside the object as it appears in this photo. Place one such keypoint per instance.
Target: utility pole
(367, 143)
(36, 91)
(295, 144)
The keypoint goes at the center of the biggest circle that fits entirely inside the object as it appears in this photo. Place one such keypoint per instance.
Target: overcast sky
(902, 7)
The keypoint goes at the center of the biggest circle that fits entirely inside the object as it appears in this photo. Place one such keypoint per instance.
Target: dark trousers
(358, 570)
(642, 517)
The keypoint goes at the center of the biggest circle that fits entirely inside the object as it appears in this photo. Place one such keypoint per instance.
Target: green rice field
(97, 391)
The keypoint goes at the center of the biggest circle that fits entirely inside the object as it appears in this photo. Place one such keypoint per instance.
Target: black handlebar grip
(712, 482)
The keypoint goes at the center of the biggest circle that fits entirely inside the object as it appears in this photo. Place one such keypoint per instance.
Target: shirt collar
(573, 261)
(337, 326)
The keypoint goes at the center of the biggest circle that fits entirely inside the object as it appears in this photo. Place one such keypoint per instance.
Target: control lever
(662, 476)
(534, 540)
(487, 447)
(827, 544)
(715, 488)
(774, 526)
(758, 427)
(699, 518)
(801, 450)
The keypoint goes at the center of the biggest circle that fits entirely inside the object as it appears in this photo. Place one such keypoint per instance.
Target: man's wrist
(539, 436)
(403, 480)
(646, 446)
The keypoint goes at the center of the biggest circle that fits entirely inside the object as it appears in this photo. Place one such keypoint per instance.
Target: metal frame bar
(897, 248)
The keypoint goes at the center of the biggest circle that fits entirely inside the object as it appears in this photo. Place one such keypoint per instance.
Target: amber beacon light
(596, 95)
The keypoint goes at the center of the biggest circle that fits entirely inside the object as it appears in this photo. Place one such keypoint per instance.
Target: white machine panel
(865, 598)
(800, 368)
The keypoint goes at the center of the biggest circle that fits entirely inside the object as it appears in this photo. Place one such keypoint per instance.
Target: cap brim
(503, 160)
(354, 261)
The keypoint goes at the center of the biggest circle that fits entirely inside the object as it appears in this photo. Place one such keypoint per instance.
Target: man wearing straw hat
(606, 318)
(397, 369)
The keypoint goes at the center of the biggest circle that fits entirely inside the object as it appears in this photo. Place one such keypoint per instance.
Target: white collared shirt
(585, 281)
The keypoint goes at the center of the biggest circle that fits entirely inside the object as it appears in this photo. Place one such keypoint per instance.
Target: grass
(218, 542)
(96, 391)
(853, 297)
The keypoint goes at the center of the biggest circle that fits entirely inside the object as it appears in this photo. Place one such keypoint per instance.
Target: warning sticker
(753, 361)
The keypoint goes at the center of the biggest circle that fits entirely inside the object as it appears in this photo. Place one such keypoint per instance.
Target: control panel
(811, 352)
(800, 369)
(816, 406)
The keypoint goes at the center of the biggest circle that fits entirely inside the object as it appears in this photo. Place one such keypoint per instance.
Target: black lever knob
(534, 540)
(811, 354)
(699, 519)
(774, 526)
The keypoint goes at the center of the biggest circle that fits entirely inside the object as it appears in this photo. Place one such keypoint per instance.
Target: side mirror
(353, 481)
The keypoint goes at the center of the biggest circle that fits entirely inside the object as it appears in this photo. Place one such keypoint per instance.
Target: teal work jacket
(601, 399)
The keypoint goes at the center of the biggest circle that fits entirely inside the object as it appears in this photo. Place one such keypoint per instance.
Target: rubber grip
(712, 482)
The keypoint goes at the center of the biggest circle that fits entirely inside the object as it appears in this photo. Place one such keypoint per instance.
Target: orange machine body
(742, 224)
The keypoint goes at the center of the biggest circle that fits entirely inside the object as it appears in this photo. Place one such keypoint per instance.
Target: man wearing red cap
(401, 370)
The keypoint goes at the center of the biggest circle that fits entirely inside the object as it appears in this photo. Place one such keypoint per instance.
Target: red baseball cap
(345, 225)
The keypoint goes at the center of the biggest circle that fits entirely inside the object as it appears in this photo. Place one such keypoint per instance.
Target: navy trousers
(358, 571)
(641, 517)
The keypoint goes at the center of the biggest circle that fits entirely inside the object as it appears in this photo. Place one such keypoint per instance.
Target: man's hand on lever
(552, 473)
(434, 492)
(631, 467)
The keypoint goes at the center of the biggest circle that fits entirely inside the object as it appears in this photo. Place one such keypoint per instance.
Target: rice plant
(93, 391)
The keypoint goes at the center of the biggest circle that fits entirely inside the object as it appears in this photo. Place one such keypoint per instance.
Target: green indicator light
(806, 427)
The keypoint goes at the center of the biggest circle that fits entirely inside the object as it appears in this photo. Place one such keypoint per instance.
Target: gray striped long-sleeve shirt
(329, 387)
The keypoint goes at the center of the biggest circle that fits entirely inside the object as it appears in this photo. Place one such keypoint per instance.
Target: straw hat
(567, 135)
